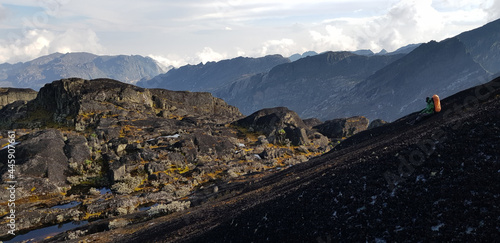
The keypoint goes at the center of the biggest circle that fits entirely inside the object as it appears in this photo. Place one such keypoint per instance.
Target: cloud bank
(39, 42)
(176, 33)
(407, 22)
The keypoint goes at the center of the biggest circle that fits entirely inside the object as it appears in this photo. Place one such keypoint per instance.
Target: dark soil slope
(438, 180)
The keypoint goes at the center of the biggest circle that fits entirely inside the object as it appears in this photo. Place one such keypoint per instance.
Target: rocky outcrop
(80, 103)
(312, 122)
(202, 104)
(10, 95)
(268, 120)
(277, 124)
(343, 127)
(376, 123)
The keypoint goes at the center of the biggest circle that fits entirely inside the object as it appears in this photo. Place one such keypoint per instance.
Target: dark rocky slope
(433, 181)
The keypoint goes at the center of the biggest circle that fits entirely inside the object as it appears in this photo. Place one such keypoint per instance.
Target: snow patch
(437, 227)
(161, 137)
(398, 228)
(173, 136)
(361, 209)
(420, 178)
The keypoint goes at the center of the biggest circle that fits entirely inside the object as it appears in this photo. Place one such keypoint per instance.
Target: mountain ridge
(36, 73)
(211, 76)
(432, 68)
(306, 81)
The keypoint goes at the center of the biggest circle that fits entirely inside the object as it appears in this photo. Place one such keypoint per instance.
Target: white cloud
(168, 61)
(406, 22)
(334, 39)
(77, 40)
(284, 46)
(209, 55)
(494, 11)
(39, 42)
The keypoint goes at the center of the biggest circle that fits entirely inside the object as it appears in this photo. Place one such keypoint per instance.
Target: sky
(193, 31)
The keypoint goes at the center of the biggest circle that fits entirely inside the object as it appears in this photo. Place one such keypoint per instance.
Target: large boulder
(277, 124)
(41, 162)
(9, 95)
(343, 127)
(271, 119)
(77, 149)
(312, 122)
(202, 104)
(376, 123)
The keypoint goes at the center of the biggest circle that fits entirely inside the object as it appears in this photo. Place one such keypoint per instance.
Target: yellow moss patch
(176, 117)
(184, 170)
(91, 215)
(33, 199)
(215, 174)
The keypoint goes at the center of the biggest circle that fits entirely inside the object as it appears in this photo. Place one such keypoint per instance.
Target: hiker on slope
(433, 106)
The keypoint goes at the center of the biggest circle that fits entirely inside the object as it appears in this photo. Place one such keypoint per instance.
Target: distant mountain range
(403, 50)
(304, 83)
(213, 76)
(343, 84)
(298, 56)
(36, 73)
